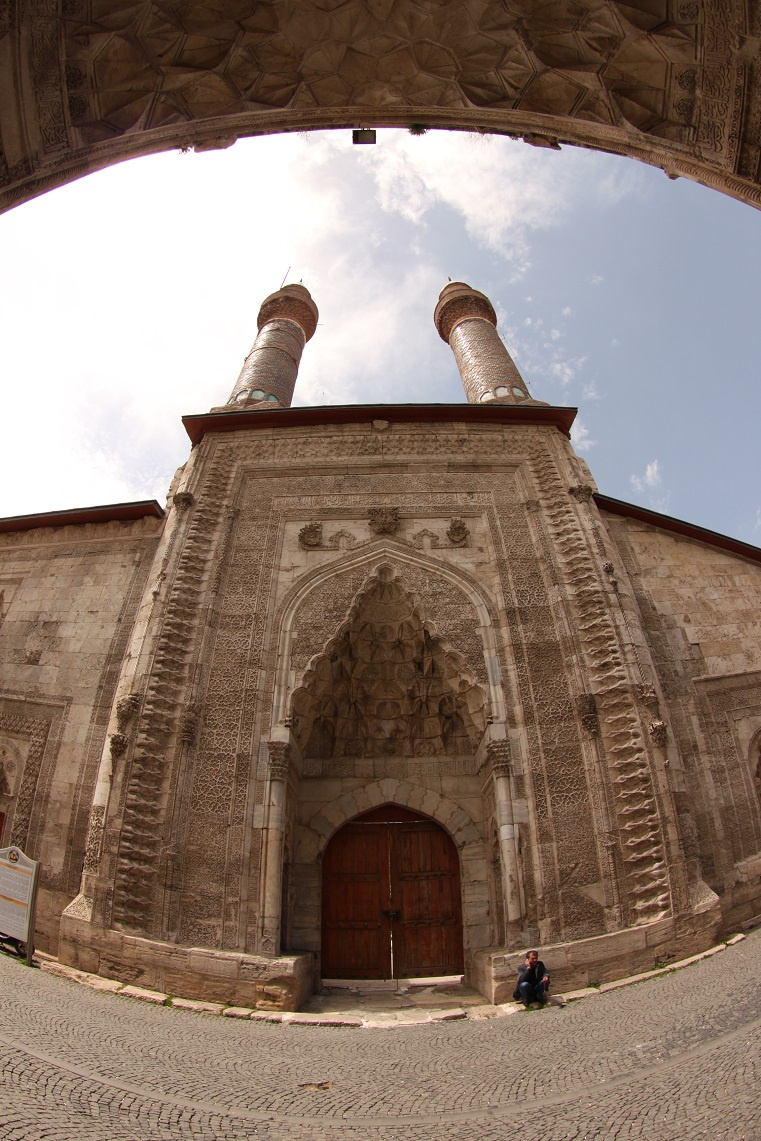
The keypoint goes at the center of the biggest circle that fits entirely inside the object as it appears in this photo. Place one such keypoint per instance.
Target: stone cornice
(476, 414)
(677, 527)
(110, 513)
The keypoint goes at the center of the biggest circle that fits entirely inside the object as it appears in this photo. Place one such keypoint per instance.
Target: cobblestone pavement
(672, 1058)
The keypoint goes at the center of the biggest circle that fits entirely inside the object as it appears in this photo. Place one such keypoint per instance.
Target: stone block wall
(67, 601)
(701, 613)
(712, 597)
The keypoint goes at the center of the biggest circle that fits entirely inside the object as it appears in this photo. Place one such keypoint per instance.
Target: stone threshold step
(377, 1020)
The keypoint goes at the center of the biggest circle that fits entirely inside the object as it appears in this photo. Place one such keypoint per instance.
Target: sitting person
(533, 981)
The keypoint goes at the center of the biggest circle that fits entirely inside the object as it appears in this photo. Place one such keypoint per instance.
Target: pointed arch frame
(371, 557)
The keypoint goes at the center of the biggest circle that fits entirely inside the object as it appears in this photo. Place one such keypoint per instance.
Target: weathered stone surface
(154, 996)
(198, 1007)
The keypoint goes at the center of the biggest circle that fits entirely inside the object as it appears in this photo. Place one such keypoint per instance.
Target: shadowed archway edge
(674, 85)
(317, 833)
(223, 131)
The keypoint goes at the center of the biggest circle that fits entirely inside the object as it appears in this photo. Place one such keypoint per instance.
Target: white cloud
(554, 333)
(650, 478)
(597, 279)
(620, 180)
(580, 437)
(517, 190)
(566, 370)
(566, 311)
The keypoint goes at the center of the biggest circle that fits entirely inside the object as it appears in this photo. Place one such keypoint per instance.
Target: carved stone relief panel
(675, 661)
(635, 802)
(558, 788)
(140, 825)
(25, 729)
(13, 756)
(730, 709)
(327, 606)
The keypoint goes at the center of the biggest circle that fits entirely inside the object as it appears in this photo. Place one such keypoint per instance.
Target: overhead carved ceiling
(85, 83)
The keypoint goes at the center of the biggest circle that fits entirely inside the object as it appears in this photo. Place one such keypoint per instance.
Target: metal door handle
(391, 914)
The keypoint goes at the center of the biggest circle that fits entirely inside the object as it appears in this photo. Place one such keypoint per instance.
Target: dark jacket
(533, 975)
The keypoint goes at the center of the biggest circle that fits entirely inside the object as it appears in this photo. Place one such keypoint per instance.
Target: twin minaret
(287, 320)
(464, 318)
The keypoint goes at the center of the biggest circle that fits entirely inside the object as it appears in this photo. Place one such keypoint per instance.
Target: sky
(129, 298)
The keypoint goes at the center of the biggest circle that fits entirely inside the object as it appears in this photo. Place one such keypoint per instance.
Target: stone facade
(68, 598)
(429, 607)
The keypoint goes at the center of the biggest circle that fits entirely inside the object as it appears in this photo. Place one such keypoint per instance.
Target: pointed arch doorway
(391, 902)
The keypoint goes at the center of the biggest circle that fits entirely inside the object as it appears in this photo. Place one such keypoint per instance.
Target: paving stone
(197, 1006)
(144, 995)
(668, 1060)
(237, 1012)
(485, 1012)
(587, 992)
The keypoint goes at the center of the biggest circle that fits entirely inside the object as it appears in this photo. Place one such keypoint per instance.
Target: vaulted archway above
(675, 83)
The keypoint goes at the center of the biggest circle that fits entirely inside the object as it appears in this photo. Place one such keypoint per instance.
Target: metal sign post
(18, 900)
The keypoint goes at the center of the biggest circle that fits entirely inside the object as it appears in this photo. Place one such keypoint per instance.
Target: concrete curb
(377, 1021)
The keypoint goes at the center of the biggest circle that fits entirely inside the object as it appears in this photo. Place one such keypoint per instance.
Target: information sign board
(18, 895)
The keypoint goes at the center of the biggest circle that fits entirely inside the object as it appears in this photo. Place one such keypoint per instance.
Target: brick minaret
(466, 320)
(287, 320)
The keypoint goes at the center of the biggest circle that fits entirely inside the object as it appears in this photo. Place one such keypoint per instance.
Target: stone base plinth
(604, 958)
(262, 982)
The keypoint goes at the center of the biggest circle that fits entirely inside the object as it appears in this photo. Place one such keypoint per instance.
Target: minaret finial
(466, 320)
(287, 320)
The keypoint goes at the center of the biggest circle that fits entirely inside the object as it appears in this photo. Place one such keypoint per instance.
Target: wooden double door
(391, 904)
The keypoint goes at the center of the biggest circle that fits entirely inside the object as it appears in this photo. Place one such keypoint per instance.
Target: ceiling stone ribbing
(676, 83)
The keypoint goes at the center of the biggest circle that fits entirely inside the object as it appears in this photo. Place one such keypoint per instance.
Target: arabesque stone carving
(118, 745)
(458, 533)
(384, 520)
(310, 535)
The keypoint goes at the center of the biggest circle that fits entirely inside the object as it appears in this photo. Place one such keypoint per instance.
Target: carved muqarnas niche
(387, 686)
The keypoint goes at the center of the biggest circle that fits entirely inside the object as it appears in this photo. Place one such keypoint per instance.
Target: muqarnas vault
(388, 691)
